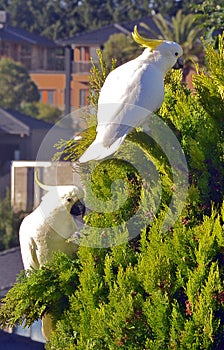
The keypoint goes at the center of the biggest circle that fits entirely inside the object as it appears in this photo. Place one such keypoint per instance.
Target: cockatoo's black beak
(179, 64)
(78, 209)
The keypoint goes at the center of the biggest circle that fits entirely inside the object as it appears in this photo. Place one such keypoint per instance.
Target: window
(93, 54)
(81, 63)
(47, 96)
(41, 92)
(55, 59)
(83, 97)
(82, 54)
(4, 49)
(25, 56)
(50, 97)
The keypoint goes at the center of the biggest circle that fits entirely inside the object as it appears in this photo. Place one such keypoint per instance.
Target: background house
(33, 51)
(20, 139)
(24, 146)
(42, 57)
(46, 61)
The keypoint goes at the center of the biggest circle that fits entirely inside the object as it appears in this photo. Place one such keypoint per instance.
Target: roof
(10, 266)
(15, 123)
(18, 35)
(101, 35)
(97, 36)
(14, 341)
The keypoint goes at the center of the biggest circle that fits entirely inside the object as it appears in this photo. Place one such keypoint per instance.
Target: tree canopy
(59, 19)
(19, 92)
(211, 13)
(122, 47)
(16, 86)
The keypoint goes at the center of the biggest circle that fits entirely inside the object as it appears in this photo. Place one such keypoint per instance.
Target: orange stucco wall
(56, 81)
(51, 81)
(79, 82)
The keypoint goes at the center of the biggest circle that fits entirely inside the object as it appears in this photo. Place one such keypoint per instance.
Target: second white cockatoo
(130, 93)
(47, 229)
(49, 226)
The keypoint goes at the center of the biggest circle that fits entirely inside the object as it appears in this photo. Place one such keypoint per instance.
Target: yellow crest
(151, 43)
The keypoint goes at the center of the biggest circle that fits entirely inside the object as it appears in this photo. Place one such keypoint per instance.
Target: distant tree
(59, 19)
(125, 10)
(63, 18)
(120, 46)
(130, 10)
(9, 223)
(43, 111)
(186, 30)
(211, 14)
(95, 13)
(55, 19)
(183, 28)
(168, 7)
(16, 86)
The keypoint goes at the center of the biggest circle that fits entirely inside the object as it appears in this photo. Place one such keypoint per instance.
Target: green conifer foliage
(197, 119)
(9, 223)
(165, 294)
(163, 289)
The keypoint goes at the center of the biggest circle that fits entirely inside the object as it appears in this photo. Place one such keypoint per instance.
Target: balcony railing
(57, 64)
(81, 67)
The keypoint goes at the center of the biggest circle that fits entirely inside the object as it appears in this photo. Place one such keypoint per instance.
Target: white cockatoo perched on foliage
(130, 93)
(48, 227)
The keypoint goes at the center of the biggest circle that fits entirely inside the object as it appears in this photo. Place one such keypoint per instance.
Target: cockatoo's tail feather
(109, 138)
(97, 150)
(151, 43)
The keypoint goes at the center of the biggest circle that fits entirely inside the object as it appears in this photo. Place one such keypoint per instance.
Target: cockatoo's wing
(118, 110)
(122, 89)
(28, 246)
(29, 231)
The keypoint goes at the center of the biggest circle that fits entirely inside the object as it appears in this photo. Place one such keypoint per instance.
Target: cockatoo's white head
(66, 194)
(169, 52)
(64, 198)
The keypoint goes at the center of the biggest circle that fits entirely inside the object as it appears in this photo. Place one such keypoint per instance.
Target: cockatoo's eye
(176, 53)
(69, 199)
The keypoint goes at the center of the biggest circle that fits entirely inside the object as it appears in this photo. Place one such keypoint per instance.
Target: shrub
(9, 224)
